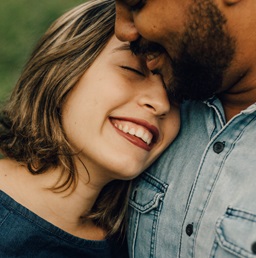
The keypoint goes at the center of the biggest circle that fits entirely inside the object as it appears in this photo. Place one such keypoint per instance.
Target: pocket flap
(147, 193)
(236, 232)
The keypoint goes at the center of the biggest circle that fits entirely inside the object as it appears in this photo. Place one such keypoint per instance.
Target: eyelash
(133, 70)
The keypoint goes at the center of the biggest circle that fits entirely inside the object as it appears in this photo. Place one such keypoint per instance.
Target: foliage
(22, 22)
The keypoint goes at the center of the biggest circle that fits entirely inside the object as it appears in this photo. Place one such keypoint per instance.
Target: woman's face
(118, 116)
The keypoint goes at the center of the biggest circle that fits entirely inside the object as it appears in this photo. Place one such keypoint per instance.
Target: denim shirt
(199, 198)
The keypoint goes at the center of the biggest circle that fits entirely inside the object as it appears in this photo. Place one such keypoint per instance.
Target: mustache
(143, 47)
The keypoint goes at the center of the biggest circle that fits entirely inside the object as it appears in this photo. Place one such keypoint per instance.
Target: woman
(85, 114)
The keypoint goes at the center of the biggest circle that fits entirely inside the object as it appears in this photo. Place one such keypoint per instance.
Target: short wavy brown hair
(30, 124)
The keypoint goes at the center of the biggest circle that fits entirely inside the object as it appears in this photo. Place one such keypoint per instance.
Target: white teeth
(145, 138)
(140, 132)
(152, 56)
(132, 131)
(126, 129)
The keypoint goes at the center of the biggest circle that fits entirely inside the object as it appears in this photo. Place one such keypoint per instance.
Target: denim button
(253, 248)
(189, 229)
(218, 147)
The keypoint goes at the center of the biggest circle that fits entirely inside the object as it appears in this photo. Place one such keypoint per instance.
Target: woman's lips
(138, 132)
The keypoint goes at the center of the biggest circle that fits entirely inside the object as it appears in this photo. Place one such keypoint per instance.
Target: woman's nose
(155, 100)
(125, 29)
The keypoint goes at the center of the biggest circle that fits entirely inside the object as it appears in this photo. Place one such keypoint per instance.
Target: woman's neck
(63, 209)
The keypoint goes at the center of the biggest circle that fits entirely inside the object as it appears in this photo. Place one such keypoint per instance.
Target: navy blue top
(24, 234)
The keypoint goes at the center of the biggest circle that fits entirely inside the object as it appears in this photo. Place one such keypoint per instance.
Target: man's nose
(125, 29)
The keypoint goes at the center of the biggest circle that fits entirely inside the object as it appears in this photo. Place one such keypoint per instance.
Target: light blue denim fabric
(199, 198)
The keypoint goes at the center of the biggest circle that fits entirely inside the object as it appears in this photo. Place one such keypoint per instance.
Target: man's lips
(153, 61)
(137, 131)
(159, 63)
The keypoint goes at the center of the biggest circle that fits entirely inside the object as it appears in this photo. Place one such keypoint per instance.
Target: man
(198, 199)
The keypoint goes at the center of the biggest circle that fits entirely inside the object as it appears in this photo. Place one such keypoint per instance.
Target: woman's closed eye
(133, 70)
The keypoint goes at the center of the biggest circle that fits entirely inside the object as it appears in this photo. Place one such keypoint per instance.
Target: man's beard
(203, 53)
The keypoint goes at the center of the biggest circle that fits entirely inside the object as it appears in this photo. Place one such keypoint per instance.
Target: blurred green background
(22, 23)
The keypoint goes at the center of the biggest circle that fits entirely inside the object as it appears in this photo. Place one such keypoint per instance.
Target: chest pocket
(144, 208)
(235, 235)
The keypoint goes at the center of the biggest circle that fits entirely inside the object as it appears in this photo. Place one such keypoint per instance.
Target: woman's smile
(138, 132)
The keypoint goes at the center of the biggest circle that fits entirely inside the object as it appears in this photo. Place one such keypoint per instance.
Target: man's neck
(234, 103)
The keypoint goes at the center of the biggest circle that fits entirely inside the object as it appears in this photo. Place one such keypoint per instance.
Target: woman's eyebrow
(141, 61)
(125, 46)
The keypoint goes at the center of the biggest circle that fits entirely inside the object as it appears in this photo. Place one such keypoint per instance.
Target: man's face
(195, 48)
